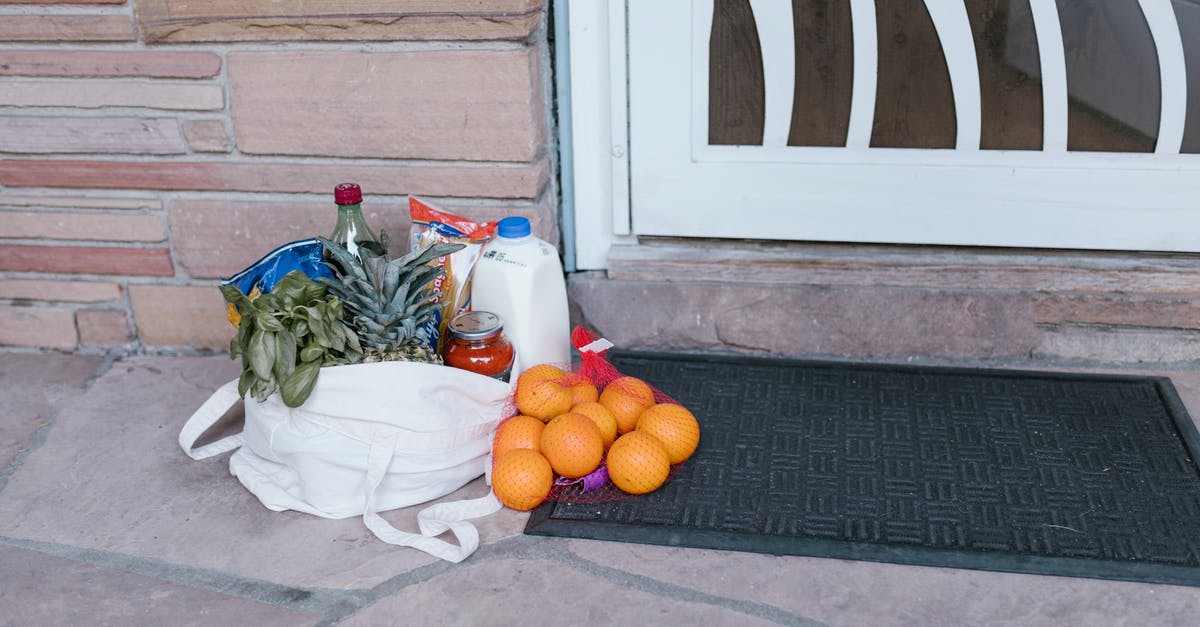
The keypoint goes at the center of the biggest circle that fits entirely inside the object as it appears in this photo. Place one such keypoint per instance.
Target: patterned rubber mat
(1059, 474)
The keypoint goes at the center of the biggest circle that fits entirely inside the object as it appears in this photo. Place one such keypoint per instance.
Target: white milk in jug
(520, 278)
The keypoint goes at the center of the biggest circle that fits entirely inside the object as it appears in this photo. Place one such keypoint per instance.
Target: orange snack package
(432, 225)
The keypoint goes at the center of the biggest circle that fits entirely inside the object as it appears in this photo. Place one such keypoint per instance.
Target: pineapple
(389, 303)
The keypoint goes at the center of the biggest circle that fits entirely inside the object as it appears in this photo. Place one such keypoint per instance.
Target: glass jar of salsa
(477, 343)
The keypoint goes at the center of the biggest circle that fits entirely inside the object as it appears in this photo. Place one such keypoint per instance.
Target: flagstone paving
(30, 387)
(104, 520)
(43, 589)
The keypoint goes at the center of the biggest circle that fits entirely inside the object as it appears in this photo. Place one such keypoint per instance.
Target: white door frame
(600, 129)
(599, 32)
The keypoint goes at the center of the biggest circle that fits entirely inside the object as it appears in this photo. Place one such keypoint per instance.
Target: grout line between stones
(34, 443)
(557, 550)
(661, 588)
(319, 601)
(111, 357)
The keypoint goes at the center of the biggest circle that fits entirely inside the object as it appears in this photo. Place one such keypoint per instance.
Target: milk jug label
(500, 256)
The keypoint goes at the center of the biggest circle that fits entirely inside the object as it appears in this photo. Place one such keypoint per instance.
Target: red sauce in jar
(477, 343)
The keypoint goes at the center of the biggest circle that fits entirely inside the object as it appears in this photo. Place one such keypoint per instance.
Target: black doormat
(1031, 472)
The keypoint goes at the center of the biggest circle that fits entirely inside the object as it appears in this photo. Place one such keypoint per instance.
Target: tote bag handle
(209, 413)
(432, 521)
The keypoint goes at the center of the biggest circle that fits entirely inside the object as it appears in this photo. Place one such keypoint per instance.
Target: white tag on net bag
(371, 438)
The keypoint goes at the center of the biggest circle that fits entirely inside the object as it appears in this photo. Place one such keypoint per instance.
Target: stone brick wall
(150, 147)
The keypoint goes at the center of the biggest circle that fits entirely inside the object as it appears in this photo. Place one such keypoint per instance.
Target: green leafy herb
(287, 335)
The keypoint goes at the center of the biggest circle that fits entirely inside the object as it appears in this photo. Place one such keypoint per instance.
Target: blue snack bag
(306, 255)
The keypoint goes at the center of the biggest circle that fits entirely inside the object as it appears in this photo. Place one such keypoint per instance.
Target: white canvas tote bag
(371, 438)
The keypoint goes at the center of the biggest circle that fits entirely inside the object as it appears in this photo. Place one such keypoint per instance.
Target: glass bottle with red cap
(351, 231)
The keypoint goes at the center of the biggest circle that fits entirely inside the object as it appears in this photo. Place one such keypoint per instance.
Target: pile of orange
(567, 427)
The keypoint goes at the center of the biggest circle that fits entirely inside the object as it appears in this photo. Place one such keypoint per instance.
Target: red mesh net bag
(603, 435)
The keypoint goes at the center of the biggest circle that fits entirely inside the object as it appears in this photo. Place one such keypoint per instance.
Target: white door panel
(682, 186)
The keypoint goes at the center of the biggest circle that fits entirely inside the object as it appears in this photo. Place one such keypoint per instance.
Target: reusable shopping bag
(371, 438)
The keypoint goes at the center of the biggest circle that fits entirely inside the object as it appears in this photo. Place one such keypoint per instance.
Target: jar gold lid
(476, 325)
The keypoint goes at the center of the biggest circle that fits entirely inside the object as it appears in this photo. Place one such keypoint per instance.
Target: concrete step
(896, 302)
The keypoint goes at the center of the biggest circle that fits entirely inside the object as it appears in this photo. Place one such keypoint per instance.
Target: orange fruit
(627, 398)
(638, 463)
(633, 386)
(520, 431)
(602, 417)
(522, 479)
(573, 445)
(674, 426)
(540, 372)
(583, 392)
(625, 410)
(543, 399)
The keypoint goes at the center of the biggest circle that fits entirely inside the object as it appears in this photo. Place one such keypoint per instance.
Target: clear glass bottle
(351, 230)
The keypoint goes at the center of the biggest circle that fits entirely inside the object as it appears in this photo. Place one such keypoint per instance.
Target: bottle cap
(347, 194)
(476, 325)
(513, 227)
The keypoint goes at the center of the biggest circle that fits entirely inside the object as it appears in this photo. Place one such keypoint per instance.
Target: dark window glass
(736, 97)
(914, 103)
(1010, 87)
(824, 72)
(1112, 76)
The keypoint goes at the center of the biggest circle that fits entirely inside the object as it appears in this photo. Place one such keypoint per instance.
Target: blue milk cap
(513, 227)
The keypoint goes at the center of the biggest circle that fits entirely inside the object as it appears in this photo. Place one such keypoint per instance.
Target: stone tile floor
(103, 520)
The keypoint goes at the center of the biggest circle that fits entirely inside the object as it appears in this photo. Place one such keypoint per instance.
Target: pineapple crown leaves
(392, 270)
(403, 332)
(383, 290)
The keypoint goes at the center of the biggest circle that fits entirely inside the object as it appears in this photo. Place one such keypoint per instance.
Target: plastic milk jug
(520, 278)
